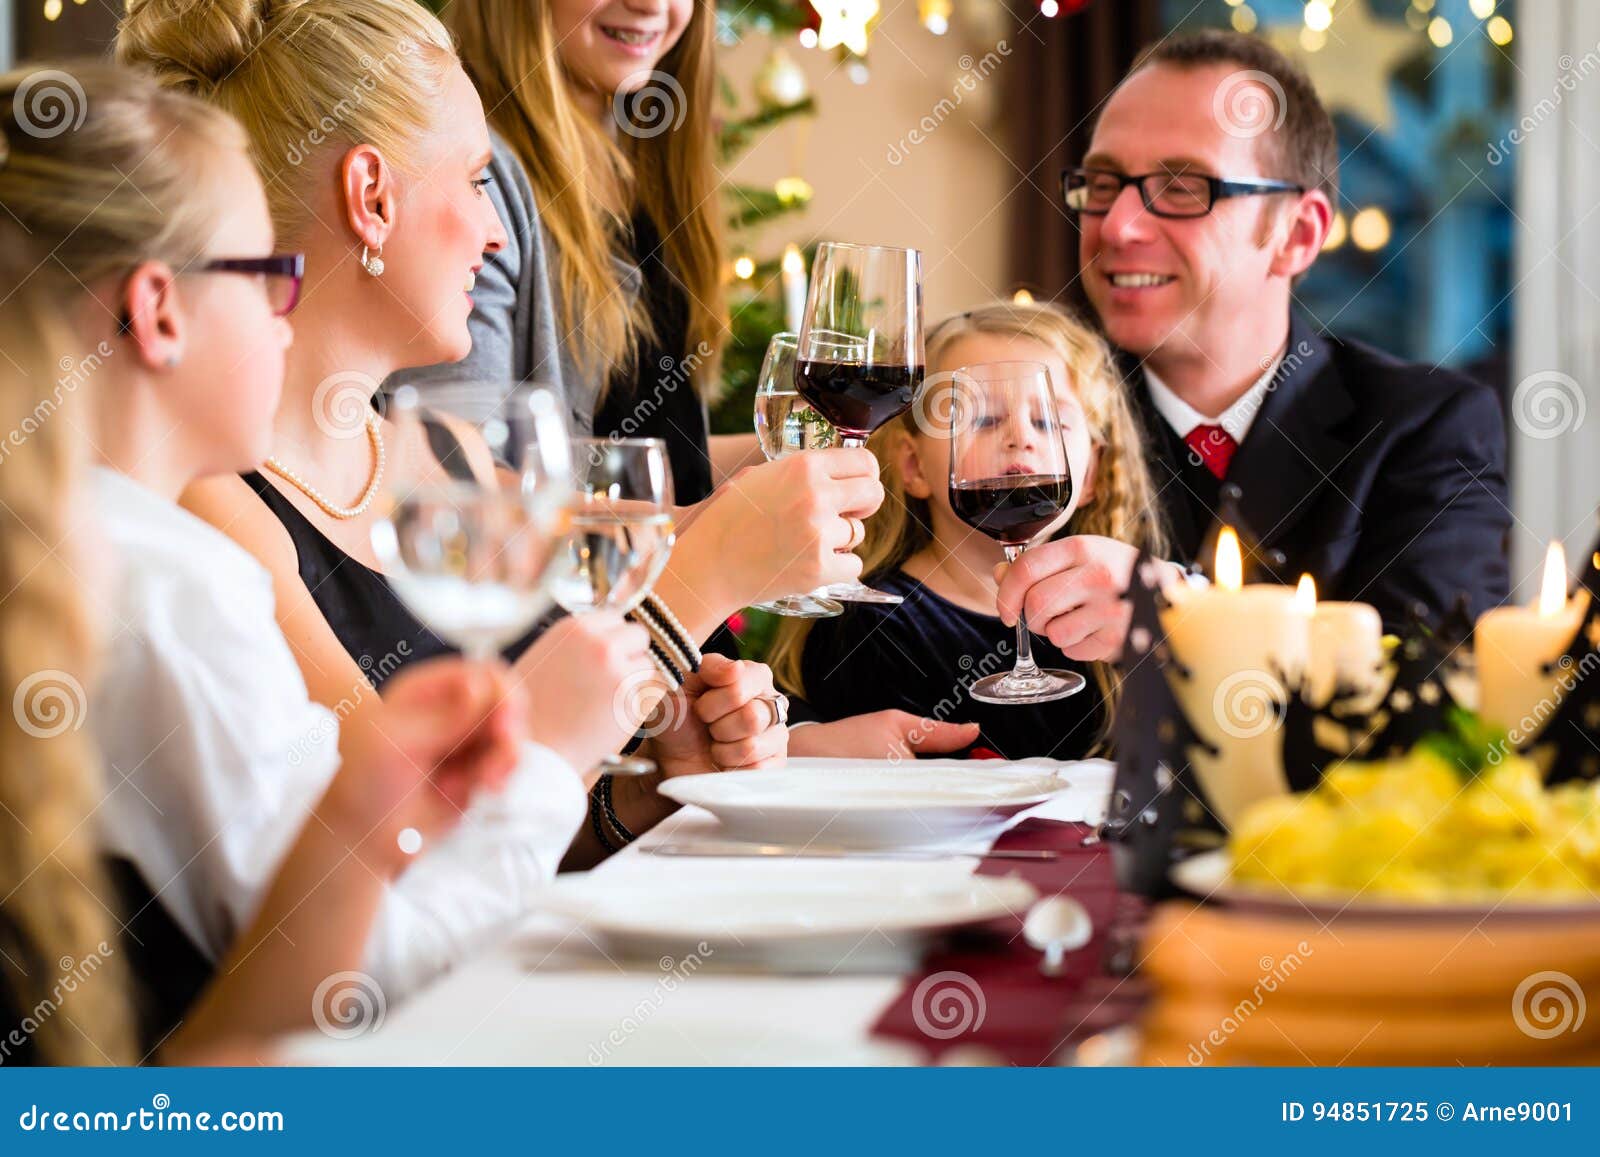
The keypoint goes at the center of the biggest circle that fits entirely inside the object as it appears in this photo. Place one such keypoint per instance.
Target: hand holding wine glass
(860, 350)
(787, 424)
(1010, 478)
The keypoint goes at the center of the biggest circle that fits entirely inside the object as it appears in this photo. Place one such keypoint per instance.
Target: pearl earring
(373, 264)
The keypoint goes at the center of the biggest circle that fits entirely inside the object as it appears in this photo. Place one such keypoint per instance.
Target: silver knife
(715, 848)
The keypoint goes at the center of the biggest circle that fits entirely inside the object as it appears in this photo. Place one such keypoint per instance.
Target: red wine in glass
(857, 397)
(1014, 508)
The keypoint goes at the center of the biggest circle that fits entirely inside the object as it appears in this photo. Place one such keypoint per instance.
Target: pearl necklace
(375, 436)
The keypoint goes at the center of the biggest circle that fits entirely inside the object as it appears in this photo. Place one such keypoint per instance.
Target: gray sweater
(515, 326)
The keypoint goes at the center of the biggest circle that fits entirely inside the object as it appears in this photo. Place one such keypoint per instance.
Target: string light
(1499, 30)
(1440, 32)
(1482, 9)
(1369, 229)
(935, 15)
(1318, 15)
(52, 9)
(1313, 39)
(1022, 297)
(744, 267)
(1049, 8)
(808, 38)
(792, 190)
(1244, 19)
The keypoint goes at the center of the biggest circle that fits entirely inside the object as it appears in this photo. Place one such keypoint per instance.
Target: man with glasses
(1207, 191)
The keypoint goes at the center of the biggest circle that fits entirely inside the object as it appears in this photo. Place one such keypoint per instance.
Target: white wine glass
(467, 538)
(787, 424)
(620, 537)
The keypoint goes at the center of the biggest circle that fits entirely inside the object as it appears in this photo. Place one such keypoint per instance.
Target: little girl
(921, 655)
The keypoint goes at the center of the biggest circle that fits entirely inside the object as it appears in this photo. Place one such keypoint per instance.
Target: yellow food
(1415, 828)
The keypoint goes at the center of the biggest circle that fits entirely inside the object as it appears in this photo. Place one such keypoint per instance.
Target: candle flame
(1553, 591)
(1230, 562)
(1305, 595)
(793, 260)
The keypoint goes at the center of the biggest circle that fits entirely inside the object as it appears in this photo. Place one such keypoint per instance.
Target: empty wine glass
(620, 536)
(467, 538)
(1010, 477)
(786, 424)
(860, 355)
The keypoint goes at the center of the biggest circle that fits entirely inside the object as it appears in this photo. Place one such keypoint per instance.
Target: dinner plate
(847, 924)
(871, 804)
(1207, 876)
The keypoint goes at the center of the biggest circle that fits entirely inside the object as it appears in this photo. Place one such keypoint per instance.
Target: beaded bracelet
(610, 810)
(596, 822)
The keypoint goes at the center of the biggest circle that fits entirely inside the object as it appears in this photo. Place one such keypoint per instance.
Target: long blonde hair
(1124, 505)
(306, 78)
(53, 895)
(100, 170)
(586, 183)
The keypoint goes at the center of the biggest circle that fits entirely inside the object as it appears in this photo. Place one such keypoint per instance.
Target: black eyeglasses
(1094, 191)
(283, 273)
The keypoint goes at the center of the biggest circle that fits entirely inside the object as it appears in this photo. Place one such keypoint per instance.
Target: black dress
(658, 399)
(920, 657)
(376, 628)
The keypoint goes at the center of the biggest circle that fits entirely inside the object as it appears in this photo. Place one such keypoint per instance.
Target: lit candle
(1514, 644)
(794, 287)
(1346, 647)
(1239, 643)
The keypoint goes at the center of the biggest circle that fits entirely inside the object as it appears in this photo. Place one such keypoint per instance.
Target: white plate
(1206, 875)
(844, 925)
(871, 805)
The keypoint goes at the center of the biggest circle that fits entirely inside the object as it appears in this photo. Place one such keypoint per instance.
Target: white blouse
(215, 755)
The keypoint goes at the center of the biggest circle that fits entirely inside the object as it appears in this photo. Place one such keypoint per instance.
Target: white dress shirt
(1236, 419)
(215, 755)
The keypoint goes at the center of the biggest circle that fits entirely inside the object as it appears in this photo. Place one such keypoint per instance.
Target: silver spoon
(1056, 926)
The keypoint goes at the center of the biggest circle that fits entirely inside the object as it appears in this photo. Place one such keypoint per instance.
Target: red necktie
(1214, 446)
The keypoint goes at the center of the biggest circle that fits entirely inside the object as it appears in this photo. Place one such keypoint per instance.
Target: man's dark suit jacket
(1385, 481)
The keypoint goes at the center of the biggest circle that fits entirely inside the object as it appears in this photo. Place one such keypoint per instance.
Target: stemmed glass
(467, 543)
(620, 538)
(860, 359)
(1010, 477)
(786, 425)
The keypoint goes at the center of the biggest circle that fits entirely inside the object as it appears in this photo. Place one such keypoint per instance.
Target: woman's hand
(450, 729)
(773, 529)
(721, 719)
(585, 674)
(891, 735)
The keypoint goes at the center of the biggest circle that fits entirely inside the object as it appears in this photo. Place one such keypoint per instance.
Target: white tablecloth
(550, 996)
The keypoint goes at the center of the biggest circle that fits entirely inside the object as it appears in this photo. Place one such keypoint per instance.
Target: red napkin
(985, 989)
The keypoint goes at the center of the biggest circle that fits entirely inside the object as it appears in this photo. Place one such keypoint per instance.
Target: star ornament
(1351, 70)
(844, 22)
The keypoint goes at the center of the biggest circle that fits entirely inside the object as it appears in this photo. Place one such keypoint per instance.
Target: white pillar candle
(1513, 646)
(1346, 648)
(794, 287)
(1238, 644)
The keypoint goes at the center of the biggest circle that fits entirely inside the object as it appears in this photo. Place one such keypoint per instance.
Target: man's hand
(719, 720)
(1070, 592)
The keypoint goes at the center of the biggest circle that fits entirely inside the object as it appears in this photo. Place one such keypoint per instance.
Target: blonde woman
(612, 281)
(139, 229)
(384, 193)
(919, 656)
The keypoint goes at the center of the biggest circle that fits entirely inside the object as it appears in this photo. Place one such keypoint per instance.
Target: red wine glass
(1010, 477)
(859, 360)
